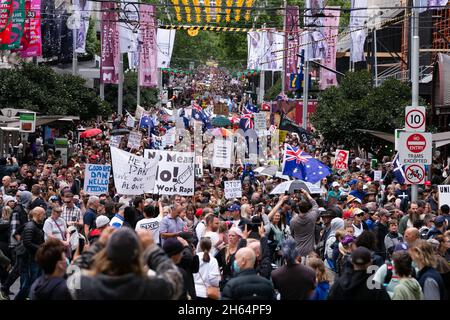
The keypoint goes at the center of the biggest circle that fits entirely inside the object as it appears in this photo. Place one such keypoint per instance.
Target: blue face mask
(236, 267)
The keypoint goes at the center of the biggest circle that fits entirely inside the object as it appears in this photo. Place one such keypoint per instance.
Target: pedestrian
(293, 281)
(353, 285)
(322, 279)
(151, 221)
(207, 279)
(247, 285)
(407, 288)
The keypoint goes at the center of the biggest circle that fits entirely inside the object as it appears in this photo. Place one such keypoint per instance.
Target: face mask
(236, 267)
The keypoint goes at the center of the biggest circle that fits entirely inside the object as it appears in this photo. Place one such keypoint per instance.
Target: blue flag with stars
(250, 108)
(300, 165)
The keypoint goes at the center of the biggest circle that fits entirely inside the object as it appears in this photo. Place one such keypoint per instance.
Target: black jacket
(164, 283)
(32, 237)
(189, 265)
(353, 286)
(247, 285)
(380, 230)
(49, 288)
(38, 202)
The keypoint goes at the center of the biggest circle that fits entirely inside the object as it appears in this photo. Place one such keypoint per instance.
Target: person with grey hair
(293, 280)
(91, 214)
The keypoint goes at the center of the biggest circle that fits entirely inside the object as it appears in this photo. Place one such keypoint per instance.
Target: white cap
(335, 184)
(101, 221)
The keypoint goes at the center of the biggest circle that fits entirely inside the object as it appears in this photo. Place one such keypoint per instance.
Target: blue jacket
(321, 292)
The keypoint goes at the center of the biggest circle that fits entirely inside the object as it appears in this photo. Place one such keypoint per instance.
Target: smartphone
(81, 245)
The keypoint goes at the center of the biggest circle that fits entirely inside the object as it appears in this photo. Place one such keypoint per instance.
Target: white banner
(175, 174)
(444, 195)
(377, 175)
(165, 40)
(96, 179)
(169, 137)
(139, 112)
(84, 9)
(259, 120)
(127, 38)
(222, 153)
(133, 175)
(130, 122)
(134, 140)
(358, 37)
(233, 189)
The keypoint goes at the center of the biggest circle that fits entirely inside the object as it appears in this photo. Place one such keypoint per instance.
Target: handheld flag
(287, 124)
(398, 171)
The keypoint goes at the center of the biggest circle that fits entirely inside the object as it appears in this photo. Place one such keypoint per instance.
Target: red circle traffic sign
(415, 119)
(416, 143)
(414, 174)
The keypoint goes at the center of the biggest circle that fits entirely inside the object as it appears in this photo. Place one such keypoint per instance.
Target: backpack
(389, 273)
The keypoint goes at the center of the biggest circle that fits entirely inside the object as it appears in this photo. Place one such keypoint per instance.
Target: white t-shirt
(208, 274)
(50, 227)
(214, 237)
(152, 225)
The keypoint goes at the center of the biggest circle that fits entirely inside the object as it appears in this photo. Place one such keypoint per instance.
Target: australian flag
(398, 171)
(200, 115)
(300, 165)
(146, 121)
(246, 122)
(250, 108)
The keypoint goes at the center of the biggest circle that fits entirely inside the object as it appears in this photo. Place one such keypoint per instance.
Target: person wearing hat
(36, 198)
(345, 189)
(101, 223)
(356, 285)
(326, 216)
(359, 192)
(440, 225)
(118, 272)
(334, 193)
(178, 250)
(55, 226)
(359, 225)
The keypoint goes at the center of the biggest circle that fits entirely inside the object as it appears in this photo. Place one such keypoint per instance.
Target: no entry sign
(415, 119)
(415, 174)
(415, 148)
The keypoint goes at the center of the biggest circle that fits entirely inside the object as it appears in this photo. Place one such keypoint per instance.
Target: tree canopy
(40, 89)
(357, 104)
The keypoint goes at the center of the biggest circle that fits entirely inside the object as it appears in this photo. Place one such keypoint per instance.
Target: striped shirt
(71, 214)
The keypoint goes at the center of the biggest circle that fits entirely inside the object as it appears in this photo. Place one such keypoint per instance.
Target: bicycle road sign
(415, 174)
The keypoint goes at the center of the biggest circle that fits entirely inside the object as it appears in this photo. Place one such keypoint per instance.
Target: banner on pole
(18, 21)
(134, 140)
(175, 174)
(165, 40)
(341, 159)
(291, 43)
(84, 8)
(444, 195)
(96, 179)
(109, 66)
(129, 13)
(222, 153)
(330, 31)
(6, 21)
(233, 189)
(31, 41)
(148, 77)
(133, 175)
(358, 37)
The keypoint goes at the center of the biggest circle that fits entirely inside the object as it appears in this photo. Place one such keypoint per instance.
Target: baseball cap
(428, 183)
(102, 221)
(361, 256)
(234, 207)
(439, 221)
(53, 198)
(335, 184)
(384, 212)
(347, 214)
(358, 211)
(352, 182)
(328, 213)
(347, 240)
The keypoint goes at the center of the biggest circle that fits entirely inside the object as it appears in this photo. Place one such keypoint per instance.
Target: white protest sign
(222, 153)
(169, 137)
(134, 140)
(130, 122)
(260, 121)
(114, 141)
(175, 174)
(133, 175)
(139, 112)
(444, 195)
(377, 175)
(96, 179)
(233, 189)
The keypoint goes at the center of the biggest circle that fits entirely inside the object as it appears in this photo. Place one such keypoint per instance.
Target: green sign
(27, 122)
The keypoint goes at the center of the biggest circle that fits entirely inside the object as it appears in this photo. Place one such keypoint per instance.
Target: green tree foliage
(40, 89)
(149, 96)
(356, 104)
(93, 46)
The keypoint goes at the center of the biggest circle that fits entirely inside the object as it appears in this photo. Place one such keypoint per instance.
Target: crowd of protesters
(358, 239)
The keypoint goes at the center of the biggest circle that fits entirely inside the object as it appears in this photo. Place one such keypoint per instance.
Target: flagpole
(286, 45)
(74, 53)
(138, 91)
(120, 89)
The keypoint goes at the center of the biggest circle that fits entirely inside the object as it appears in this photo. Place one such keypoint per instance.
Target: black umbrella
(119, 132)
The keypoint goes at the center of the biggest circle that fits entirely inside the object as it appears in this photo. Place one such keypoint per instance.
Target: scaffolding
(441, 32)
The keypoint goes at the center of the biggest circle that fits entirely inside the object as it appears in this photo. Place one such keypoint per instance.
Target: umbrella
(221, 121)
(90, 133)
(222, 132)
(280, 175)
(118, 132)
(293, 185)
(267, 171)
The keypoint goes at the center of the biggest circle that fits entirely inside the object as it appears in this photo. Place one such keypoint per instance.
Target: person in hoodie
(330, 244)
(440, 225)
(118, 271)
(407, 287)
(353, 285)
(51, 285)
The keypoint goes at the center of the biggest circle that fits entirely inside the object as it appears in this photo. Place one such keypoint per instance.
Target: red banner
(31, 42)
(330, 31)
(291, 43)
(109, 66)
(148, 52)
(6, 12)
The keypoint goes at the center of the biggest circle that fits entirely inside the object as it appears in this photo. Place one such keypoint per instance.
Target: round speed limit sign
(415, 119)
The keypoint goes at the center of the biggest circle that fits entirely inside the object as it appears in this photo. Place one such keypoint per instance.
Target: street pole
(102, 90)
(120, 91)
(261, 86)
(305, 87)
(160, 87)
(375, 55)
(138, 93)
(74, 53)
(286, 46)
(415, 73)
